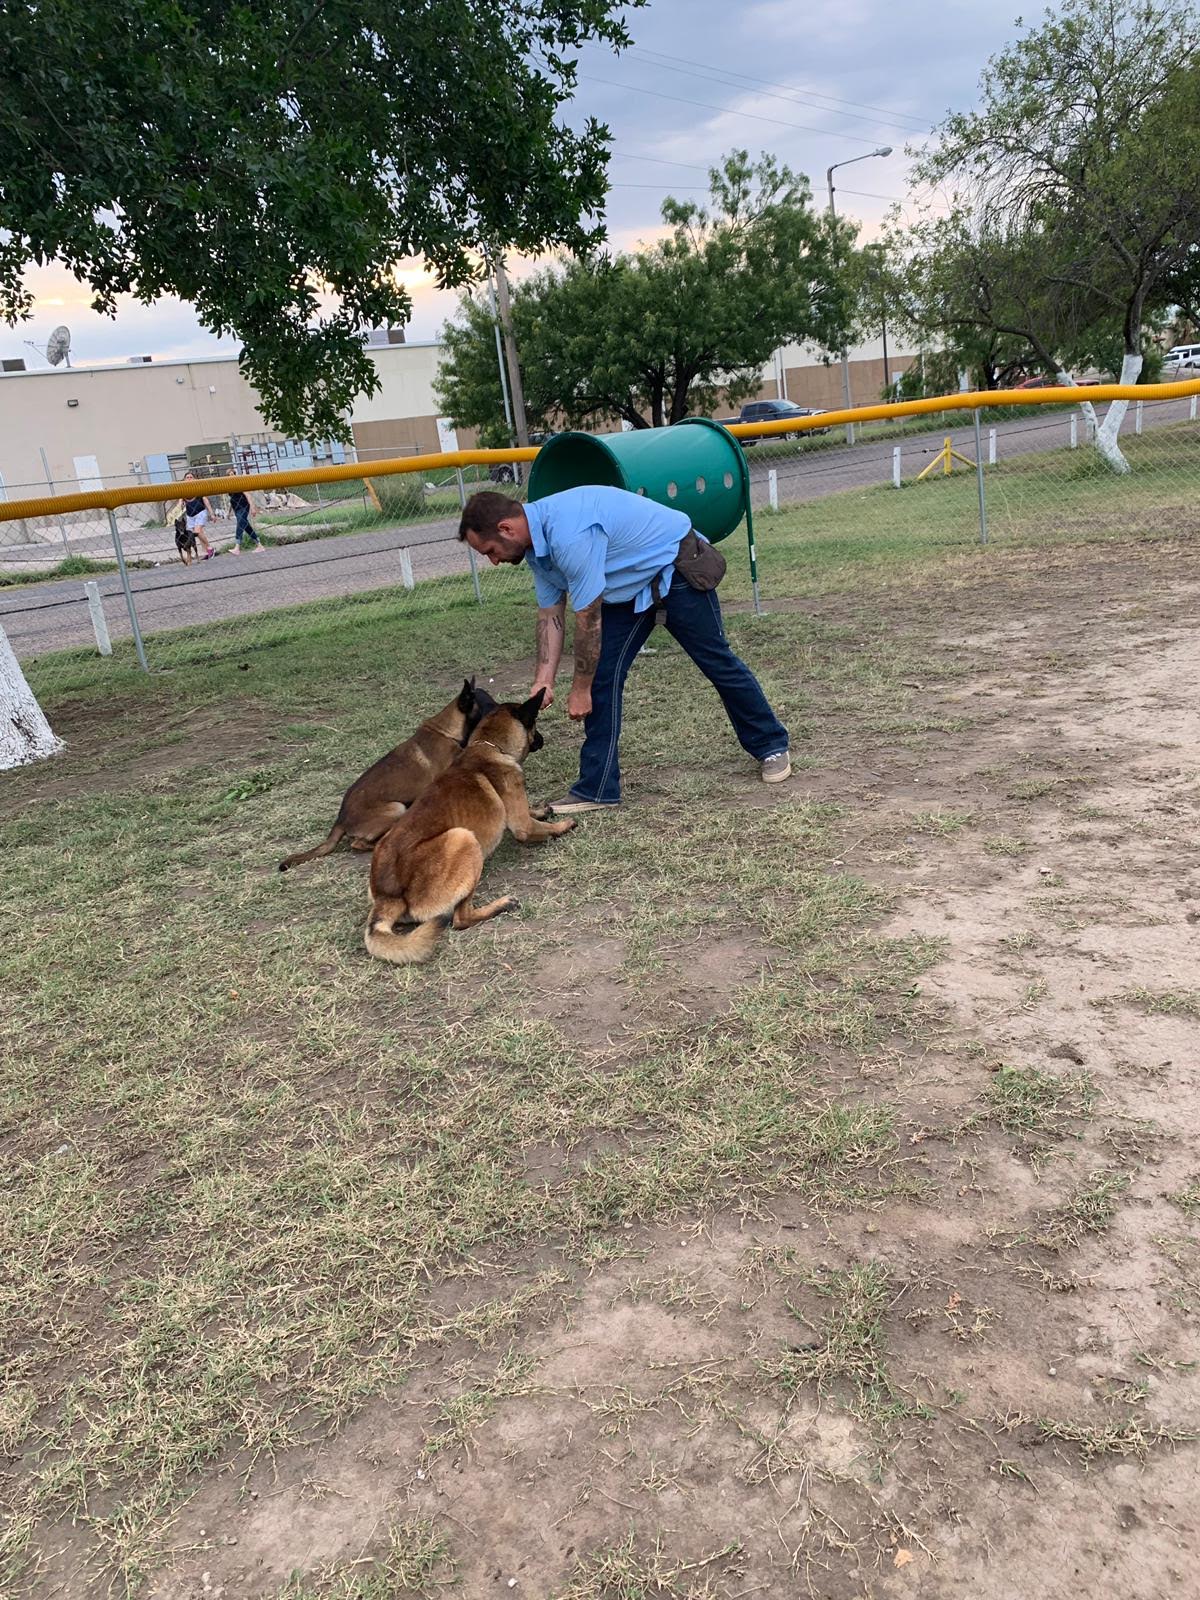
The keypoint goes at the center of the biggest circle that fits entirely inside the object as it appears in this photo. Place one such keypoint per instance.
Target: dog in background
(383, 793)
(426, 869)
(185, 542)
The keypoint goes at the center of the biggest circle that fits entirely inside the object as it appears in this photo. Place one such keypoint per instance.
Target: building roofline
(181, 361)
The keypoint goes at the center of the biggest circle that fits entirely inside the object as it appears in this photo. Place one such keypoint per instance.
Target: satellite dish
(59, 347)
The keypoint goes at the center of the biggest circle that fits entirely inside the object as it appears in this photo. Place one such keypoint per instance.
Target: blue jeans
(694, 619)
(241, 519)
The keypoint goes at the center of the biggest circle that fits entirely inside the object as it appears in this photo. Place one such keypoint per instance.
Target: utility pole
(884, 150)
(510, 351)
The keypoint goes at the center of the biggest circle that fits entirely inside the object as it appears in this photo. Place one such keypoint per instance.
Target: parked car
(1182, 361)
(776, 411)
(1041, 381)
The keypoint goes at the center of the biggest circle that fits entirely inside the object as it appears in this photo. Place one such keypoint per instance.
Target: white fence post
(773, 489)
(895, 466)
(991, 447)
(406, 571)
(99, 620)
(1137, 416)
(1074, 431)
(1192, 412)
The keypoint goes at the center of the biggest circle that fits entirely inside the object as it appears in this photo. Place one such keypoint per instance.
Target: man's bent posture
(613, 554)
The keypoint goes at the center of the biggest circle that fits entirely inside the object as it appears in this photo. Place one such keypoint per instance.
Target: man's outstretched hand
(579, 704)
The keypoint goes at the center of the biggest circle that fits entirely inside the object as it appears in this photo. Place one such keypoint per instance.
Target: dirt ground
(979, 1380)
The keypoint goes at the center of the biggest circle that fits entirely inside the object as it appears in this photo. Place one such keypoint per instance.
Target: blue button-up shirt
(600, 542)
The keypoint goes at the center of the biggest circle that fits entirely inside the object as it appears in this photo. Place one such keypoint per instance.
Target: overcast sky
(811, 81)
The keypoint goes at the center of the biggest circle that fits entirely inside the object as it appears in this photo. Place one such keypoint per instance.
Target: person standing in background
(242, 507)
(196, 509)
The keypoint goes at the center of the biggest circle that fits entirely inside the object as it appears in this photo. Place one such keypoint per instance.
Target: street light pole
(884, 150)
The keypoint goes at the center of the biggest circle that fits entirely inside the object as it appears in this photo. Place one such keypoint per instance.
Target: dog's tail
(402, 949)
(322, 849)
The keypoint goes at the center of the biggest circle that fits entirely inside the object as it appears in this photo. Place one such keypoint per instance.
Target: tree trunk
(1085, 406)
(1106, 434)
(24, 732)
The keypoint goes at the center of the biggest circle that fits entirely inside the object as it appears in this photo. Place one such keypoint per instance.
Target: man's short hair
(485, 511)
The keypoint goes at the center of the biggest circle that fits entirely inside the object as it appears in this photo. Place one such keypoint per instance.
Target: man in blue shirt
(612, 553)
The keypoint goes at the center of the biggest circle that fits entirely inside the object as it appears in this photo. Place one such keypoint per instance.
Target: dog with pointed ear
(383, 793)
(426, 869)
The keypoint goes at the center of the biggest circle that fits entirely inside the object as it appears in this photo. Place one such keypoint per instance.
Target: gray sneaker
(571, 806)
(777, 767)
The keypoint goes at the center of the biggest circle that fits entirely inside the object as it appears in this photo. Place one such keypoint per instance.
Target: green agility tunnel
(695, 467)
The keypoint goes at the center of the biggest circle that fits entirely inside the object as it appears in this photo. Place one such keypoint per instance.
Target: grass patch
(1188, 1199)
(69, 567)
(1024, 1100)
(624, 1571)
(1089, 1210)
(1130, 1436)
(1162, 1002)
(847, 1360)
(416, 1562)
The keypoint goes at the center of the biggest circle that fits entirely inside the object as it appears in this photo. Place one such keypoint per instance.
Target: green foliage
(398, 494)
(1076, 185)
(676, 328)
(270, 164)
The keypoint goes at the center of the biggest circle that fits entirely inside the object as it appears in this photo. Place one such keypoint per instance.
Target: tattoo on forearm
(548, 629)
(587, 643)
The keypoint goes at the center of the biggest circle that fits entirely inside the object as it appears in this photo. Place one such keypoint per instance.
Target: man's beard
(511, 550)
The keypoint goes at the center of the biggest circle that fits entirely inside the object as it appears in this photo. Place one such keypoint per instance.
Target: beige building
(87, 427)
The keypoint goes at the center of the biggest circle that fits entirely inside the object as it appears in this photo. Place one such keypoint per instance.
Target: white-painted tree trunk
(25, 734)
(1107, 432)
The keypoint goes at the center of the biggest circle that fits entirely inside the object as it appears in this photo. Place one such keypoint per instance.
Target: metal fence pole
(133, 616)
(758, 610)
(99, 621)
(62, 532)
(983, 537)
(462, 500)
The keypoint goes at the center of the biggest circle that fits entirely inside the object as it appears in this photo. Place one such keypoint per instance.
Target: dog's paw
(510, 904)
(542, 813)
(564, 826)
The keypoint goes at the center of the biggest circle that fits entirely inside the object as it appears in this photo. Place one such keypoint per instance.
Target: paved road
(54, 616)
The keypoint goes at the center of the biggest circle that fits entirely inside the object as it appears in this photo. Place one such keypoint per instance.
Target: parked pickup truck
(774, 411)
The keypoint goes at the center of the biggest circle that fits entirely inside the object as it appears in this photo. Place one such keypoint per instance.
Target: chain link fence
(384, 544)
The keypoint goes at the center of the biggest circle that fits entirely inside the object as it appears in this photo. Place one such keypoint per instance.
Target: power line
(797, 97)
(662, 161)
(729, 111)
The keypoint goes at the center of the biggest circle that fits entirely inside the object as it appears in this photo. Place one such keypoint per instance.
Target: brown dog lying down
(381, 796)
(426, 869)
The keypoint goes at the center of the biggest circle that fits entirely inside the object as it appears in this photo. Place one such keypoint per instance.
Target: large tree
(675, 328)
(1084, 141)
(271, 163)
